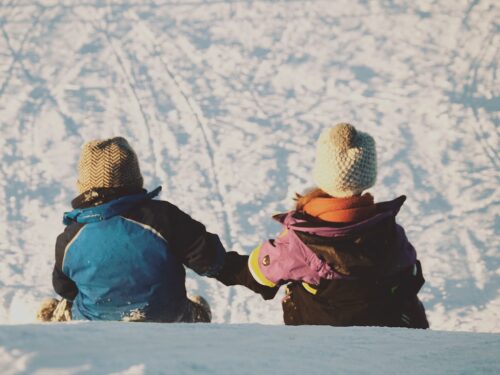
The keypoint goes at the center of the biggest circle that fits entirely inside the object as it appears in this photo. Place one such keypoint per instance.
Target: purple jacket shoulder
(289, 258)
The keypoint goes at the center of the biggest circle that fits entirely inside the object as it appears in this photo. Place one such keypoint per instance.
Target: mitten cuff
(255, 270)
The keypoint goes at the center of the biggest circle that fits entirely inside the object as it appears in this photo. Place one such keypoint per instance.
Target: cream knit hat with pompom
(109, 163)
(346, 161)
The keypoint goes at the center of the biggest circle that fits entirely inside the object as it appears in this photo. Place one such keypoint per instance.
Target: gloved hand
(287, 259)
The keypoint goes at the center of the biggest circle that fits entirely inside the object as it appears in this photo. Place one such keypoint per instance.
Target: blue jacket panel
(120, 267)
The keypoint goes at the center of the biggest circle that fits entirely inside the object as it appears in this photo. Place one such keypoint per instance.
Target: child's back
(347, 261)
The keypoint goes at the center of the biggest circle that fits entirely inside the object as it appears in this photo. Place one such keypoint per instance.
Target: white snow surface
(142, 348)
(223, 102)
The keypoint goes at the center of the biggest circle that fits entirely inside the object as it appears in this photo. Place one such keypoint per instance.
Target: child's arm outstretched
(204, 253)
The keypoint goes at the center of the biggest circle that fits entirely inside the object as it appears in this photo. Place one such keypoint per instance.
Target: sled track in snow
(205, 131)
(470, 89)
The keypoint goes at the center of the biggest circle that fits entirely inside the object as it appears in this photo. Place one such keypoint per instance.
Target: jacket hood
(302, 222)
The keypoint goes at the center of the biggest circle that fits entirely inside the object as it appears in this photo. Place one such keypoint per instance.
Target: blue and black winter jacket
(122, 255)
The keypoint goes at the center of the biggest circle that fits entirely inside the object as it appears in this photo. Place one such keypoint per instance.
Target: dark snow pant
(301, 309)
(391, 302)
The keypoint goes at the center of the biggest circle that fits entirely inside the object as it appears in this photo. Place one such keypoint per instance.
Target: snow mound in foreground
(124, 348)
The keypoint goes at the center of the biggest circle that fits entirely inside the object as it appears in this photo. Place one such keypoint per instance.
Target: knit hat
(108, 163)
(346, 161)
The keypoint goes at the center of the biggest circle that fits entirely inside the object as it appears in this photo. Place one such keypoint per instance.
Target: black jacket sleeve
(62, 284)
(235, 272)
(196, 248)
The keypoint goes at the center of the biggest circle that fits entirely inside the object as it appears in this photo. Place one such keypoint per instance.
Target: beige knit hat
(346, 161)
(108, 163)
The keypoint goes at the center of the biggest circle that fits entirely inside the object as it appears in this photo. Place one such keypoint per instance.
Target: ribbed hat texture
(108, 163)
(346, 161)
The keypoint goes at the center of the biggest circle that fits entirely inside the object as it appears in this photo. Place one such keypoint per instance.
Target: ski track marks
(224, 102)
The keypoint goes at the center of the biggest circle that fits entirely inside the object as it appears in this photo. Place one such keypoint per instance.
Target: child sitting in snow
(344, 258)
(122, 253)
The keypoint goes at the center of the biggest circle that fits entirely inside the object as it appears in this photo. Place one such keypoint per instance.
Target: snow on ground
(224, 101)
(133, 349)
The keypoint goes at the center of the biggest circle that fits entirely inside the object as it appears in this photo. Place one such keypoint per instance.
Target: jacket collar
(109, 209)
(98, 196)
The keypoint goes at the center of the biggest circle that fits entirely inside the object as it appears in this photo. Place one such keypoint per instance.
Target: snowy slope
(136, 349)
(224, 101)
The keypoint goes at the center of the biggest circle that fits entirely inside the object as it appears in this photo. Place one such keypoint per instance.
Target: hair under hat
(109, 163)
(346, 161)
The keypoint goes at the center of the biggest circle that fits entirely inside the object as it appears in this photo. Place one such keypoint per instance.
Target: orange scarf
(342, 210)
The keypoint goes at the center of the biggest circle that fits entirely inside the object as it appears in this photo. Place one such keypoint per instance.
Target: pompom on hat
(346, 161)
(109, 163)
